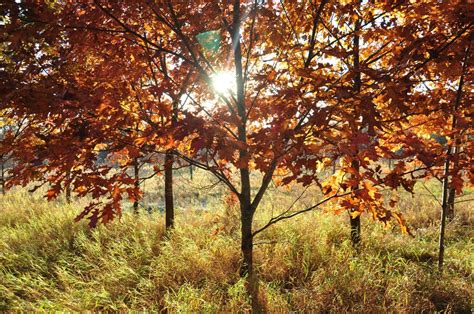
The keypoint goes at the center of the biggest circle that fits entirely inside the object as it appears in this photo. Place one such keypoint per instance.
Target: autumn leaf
(370, 188)
(402, 223)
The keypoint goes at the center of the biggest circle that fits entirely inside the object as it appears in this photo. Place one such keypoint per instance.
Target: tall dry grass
(49, 263)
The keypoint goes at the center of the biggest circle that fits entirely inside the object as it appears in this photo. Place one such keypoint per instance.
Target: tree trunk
(169, 205)
(68, 186)
(246, 240)
(452, 190)
(136, 175)
(448, 196)
(355, 222)
(355, 231)
(246, 218)
(2, 178)
(169, 202)
(246, 207)
(444, 210)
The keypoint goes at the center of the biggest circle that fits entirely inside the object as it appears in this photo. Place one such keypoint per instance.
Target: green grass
(49, 263)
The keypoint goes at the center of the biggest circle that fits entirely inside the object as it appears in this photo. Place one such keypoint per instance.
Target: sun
(223, 82)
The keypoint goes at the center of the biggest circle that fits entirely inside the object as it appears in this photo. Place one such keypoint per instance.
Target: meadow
(48, 262)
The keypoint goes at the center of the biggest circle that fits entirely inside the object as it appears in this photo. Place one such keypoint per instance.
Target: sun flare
(223, 82)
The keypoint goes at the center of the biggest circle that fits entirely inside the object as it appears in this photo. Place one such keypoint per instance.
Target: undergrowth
(50, 263)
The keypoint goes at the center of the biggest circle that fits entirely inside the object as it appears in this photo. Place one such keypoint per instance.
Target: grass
(49, 263)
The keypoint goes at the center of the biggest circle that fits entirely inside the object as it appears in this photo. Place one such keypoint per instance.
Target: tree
(439, 63)
(311, 80)
(117, 98)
